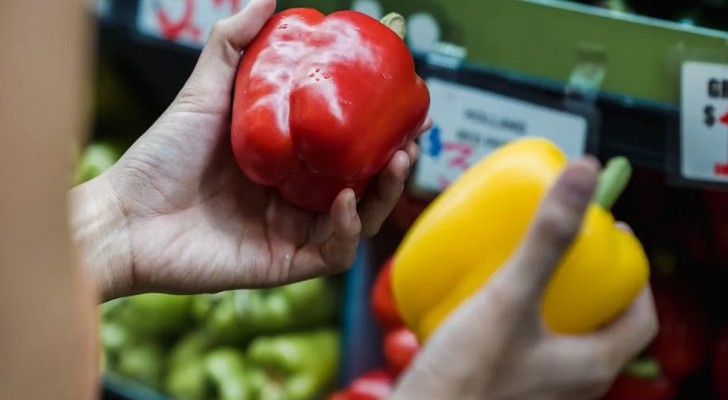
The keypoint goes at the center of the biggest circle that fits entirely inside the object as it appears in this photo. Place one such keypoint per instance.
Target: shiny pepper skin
(475, 225)
(321, 103)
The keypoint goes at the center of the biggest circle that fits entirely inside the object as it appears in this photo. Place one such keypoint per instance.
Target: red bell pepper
(720, 363)
(400, 348)
(321, 103)
(382, 300)
(373, 385)
(642, 380)
(682, 343)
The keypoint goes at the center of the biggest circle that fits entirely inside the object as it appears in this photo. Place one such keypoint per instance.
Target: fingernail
(579, 181)
(351, 204)
(406, 162)
(624, 226)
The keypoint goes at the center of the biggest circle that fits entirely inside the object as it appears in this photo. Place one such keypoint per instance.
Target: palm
(196, 223)
(215, 228)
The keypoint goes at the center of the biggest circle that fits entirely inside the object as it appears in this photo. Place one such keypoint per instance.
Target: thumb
(211, 81)
(552, 231)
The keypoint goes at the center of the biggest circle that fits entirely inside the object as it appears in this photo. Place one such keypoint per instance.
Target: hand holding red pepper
(183, 218)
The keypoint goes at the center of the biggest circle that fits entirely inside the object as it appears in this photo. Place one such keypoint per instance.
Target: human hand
(192, 222)
(496, 346)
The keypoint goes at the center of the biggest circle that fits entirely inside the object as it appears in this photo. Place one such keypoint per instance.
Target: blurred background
(641, 78)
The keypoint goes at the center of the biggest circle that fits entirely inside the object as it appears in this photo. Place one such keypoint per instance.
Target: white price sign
(186, 22)
(704, 121)
(470, 123)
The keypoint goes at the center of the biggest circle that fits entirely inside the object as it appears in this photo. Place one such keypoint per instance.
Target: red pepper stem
(644, 368)
(613, 179)
(396, 23)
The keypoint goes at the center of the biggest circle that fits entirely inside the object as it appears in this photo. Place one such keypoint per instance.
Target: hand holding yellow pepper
(475, 225)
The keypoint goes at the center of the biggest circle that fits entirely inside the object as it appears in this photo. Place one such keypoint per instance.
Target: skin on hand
(183, 218)
(495, 345)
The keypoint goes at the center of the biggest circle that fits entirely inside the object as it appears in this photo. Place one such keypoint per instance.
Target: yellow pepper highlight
(474, 226)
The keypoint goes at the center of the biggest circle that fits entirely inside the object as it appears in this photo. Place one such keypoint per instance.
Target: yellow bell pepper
(473, 227)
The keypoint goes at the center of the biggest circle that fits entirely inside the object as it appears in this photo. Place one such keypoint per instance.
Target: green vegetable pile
(265, 344)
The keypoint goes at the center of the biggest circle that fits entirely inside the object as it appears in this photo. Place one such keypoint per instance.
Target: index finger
(551, 233)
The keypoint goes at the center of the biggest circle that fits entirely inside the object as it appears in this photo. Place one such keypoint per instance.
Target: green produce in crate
(227, 369)
(294, 366)
(186, 382)
(219, 317)
(185, 378)
(152, 314)
(96, 158)
(113, 337)
(235, 316)
(198, 371)
(143, 362)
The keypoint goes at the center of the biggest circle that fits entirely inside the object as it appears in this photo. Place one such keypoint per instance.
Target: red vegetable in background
(321, 103)
(382, 300)
(682, 343)
(642, 381)
(373, 385)
(720, 363)
(400, 348)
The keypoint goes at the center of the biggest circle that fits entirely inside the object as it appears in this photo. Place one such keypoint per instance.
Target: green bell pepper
(235, 316)
(294, 366)
(96, 158)
(143, 362)
(153, 314)
(198, 371)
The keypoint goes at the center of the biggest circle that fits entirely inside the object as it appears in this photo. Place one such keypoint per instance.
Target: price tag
(704, 121)
(469, 123)
(185, 22)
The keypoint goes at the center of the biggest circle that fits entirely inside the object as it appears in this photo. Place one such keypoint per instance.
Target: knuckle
(558, 226)
(217, 31)
(503, 300)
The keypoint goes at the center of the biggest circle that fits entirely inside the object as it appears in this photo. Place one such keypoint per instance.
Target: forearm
(100, 230)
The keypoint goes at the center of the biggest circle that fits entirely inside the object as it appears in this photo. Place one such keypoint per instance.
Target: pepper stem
(396, 23)
(645, 368)
(612, 181)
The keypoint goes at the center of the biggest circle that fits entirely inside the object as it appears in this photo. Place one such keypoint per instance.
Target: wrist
(100, 230)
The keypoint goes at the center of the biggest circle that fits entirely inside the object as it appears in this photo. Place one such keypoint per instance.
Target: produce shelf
(526, 49)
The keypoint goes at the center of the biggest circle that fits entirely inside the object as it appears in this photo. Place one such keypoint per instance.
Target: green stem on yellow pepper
(396, 23)
(613, 179)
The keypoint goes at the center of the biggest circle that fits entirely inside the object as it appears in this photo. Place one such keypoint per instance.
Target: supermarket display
(609, 68)
(321, 103)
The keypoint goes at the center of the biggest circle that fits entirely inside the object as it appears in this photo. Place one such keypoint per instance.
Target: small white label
(469, 123)
(185, 22)
(704, 121)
